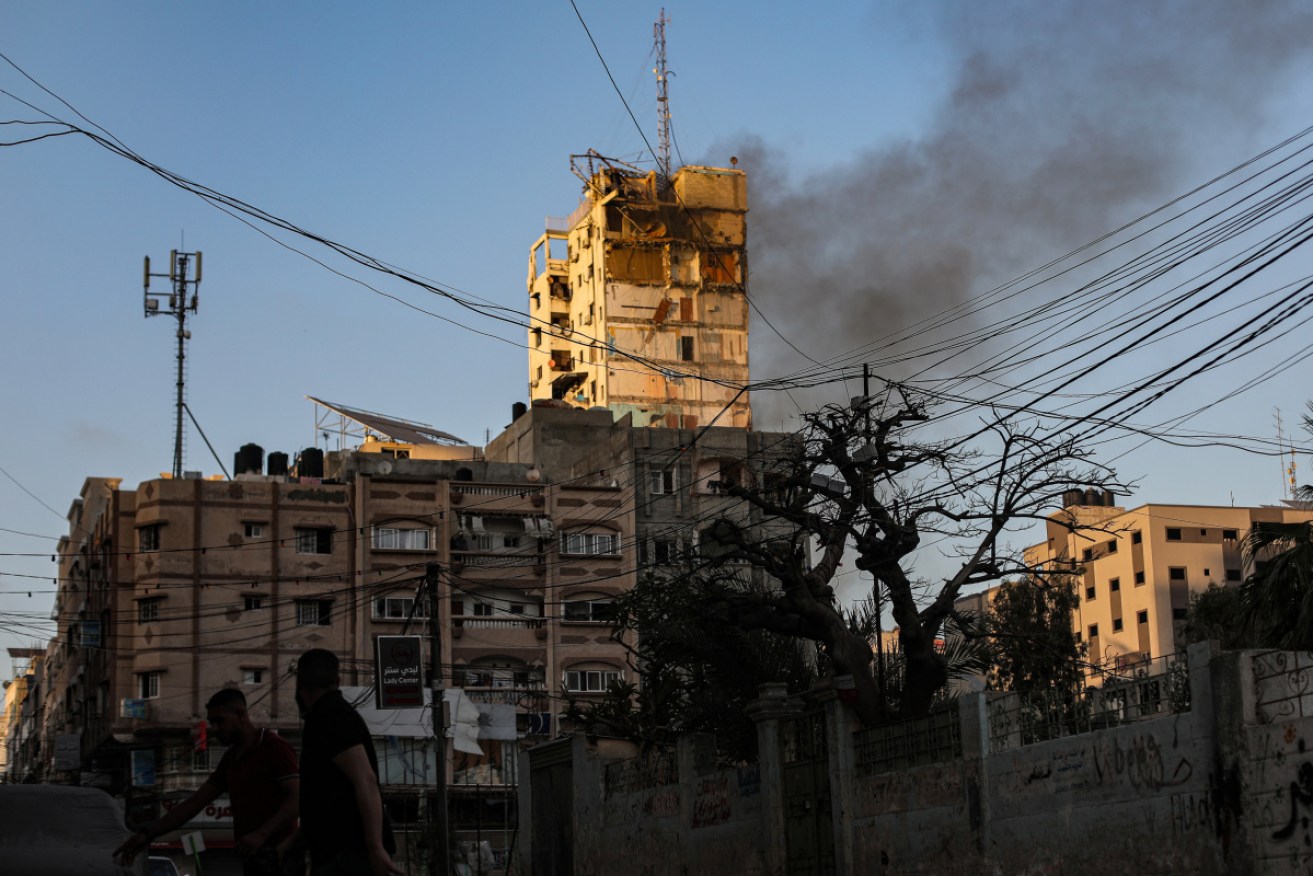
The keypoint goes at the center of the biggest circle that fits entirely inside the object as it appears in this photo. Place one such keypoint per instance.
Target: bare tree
(861, 484)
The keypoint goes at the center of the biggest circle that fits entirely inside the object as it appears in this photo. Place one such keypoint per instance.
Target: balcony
(486, 499)
(501, 631)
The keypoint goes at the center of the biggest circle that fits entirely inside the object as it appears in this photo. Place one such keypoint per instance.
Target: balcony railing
(483, 622)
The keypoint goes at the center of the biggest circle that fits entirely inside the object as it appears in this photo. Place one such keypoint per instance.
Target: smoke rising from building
(1064, 120)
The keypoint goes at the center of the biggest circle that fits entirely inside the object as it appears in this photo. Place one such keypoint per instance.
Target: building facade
(1137, 568)
(638, 300)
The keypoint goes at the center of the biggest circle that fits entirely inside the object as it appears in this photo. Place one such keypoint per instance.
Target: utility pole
(663, 101)
(875, 581)
(175, 303)
(440, 860)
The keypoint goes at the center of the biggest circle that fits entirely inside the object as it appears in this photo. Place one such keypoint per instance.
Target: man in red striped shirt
(258, 772)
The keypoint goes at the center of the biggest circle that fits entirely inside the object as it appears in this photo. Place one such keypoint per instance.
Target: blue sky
(888, 139)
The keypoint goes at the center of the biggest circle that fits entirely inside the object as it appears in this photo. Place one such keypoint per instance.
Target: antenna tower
(663, 101)
(176, 303)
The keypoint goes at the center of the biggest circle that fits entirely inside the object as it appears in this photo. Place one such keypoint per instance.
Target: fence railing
(932, 738)
(1152, 688)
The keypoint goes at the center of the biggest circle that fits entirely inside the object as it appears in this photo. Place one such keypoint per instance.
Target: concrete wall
(1225, 787)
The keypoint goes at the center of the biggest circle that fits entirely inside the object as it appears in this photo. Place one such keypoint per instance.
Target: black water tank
(277, 464)
(310, 464)
(1072, 497)
(519, 409)
(1092, 497)
(1109, 498)
(249, 460)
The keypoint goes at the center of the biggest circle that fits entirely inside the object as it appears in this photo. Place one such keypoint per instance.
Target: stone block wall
(1225, 788)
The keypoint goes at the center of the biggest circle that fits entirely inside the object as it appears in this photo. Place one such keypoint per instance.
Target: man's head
(226, 712)
(316, 674)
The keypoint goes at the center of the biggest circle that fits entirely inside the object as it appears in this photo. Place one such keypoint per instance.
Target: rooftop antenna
(176, 303)
(663, 101)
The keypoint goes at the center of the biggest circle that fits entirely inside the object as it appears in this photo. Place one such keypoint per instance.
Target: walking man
(342, 820)
(259, 774)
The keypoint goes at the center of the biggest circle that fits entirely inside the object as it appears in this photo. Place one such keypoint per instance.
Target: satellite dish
(385, 468)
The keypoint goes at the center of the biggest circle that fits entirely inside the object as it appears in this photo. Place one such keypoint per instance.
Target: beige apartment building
(180, 587)
(1137, 568)
(638, 300)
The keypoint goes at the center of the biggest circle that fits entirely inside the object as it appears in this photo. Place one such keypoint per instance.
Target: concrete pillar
(772, 706)
(840, 725)
(973, 717)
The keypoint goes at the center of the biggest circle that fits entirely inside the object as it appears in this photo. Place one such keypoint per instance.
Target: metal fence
(1152, 688)
(932, 738)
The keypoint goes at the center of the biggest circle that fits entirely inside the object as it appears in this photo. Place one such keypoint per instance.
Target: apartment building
(1137, 568)
(638, 300)
(181, 587)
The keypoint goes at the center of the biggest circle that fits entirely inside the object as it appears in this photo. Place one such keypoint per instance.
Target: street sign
(398, 672)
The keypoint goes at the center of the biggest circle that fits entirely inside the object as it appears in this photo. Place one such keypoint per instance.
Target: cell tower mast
(175, 303)
(663, 100)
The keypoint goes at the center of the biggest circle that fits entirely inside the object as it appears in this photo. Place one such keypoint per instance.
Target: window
(313, 612)
(148, 685)
(1112, 546)
(1139, 579)
(253, 530)
(1176, 573)
(314, 541)
(665, 551)
(1179, 613)
(591, 680)
(1094, 631)
(482, 609)
(1208, 572)
(1233, 574)
(1173, 533)
(148, 610)
(398, 608)
(1230, 535)
(148, 538)
(1089, 592)
(389, 538)
(252, 603)
(1136, 537)
(1087, 554)
(252, 676)
(1077, 636)
(1114, 585)
(661, 482)
(1116, 625)
(590, 543)
(686, 349)
(1203, 532)
(590, 610)
(1142, 616)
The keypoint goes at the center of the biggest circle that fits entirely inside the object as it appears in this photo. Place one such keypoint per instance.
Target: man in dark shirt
(342, 819)
(259, 774)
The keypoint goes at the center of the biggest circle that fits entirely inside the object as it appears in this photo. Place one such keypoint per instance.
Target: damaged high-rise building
(638, 300)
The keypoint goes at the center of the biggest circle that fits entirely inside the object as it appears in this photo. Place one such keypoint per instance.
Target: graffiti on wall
(711, 802)
(1301, 803)
(662, 803)
(1140, 760)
